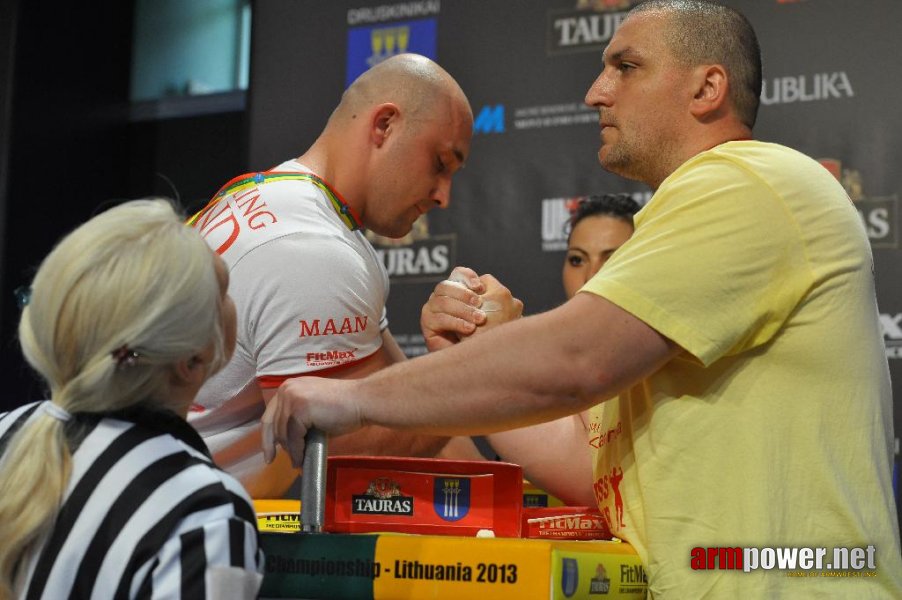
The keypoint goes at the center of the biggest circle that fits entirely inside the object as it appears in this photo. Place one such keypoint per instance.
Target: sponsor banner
(319, 566)
(556, 214)
(580, 572)
(280, 516)
(453, 567)
(891, 323)
(368, 46)
(555, 115)
(806, 88)
(329, 566)
(489, 119)
(393, 12)
(536, 497)
(879, 214)
(382, 497)
(422, 261)
(586, 28)
(565, 522)
(418, 257)
(881, 221)
(555, 222)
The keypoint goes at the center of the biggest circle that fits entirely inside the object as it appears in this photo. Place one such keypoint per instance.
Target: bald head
(701, 32)
(393, 143)
(415, 83)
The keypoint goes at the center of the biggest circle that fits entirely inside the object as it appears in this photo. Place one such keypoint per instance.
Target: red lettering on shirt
(333, 326)
(247, 205)
(252, 211)
(604, 487)
(606, 437)
(331, 358)
(220, 215)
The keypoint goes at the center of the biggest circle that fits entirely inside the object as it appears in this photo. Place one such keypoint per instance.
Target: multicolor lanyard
(345, 212)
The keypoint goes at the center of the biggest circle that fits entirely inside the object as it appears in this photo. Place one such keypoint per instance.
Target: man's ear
(384, 122)
(710, 91)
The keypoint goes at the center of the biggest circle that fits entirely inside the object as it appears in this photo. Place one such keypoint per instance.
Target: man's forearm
(532, 370)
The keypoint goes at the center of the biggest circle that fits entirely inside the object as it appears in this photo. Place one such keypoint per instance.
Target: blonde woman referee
(107, 491)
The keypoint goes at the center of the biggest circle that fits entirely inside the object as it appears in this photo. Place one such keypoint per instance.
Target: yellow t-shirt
(773, 428)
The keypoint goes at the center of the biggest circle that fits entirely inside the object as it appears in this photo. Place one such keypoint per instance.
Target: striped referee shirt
(146, 514)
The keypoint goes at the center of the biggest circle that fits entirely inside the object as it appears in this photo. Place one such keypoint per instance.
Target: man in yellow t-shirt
(734, 339)
(771, 428)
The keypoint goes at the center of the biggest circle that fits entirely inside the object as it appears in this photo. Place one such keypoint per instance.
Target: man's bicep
(613, 348)
(564, 442)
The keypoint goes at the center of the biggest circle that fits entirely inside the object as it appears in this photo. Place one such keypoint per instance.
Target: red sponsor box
(425, 496)
(565, 523)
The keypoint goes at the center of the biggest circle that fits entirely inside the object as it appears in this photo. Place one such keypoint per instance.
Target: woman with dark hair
(598, 226)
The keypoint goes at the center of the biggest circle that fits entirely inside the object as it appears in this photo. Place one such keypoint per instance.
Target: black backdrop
(831, 91)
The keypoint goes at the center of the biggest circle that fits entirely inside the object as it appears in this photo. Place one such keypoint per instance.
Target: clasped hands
(459, 307)
(464, 305)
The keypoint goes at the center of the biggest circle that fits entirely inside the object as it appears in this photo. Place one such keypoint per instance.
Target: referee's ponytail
(113, 308)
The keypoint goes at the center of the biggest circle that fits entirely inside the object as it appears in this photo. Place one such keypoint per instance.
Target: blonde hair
(134, 276)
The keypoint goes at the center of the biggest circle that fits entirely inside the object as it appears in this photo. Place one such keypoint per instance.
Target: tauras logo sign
(878, 213)
(382, 497)
(590, 26)
(418, 256)
(421, 260)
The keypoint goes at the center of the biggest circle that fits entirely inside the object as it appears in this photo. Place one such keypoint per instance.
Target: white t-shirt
(309, 291)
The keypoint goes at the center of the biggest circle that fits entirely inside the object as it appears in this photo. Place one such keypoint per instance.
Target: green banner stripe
(319, 565)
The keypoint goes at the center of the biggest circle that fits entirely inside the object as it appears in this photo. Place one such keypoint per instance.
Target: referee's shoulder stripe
(130, 500)
(168, 496)
(156, 536)
(236, 543)
(194, 564)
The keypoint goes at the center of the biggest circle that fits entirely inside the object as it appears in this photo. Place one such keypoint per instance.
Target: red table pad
(423, 496)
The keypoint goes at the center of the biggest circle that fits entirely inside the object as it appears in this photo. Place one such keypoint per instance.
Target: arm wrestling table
(382, 527)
